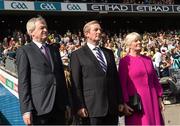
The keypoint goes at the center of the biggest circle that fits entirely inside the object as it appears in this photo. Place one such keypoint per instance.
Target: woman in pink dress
(137, 75)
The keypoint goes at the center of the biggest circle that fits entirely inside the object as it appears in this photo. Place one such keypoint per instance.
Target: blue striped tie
(100, 59)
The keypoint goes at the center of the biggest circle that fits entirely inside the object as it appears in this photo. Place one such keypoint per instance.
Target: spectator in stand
(137, 75)
(157, 59)
(64, 55)
(164, 66)
(163, 48)
(41, 82)
(12, 42)
(12, 52)
(175, 58)
(5, 42)
(5, 51)
(1, 53)
(123, 52)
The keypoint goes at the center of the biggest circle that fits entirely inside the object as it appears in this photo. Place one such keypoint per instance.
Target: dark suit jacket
(40, 83)
(94, 89)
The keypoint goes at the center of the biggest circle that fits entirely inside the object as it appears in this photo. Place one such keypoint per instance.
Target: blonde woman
(137, 76)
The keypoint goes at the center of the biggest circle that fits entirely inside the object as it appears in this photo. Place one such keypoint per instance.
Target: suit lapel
(93, 58)
(41, 55)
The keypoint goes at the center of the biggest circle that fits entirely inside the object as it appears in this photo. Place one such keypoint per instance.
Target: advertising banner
(177, 8)
(9, 82)
(109, 7)
(1, 5)
(74, 7)
(133, 8)
(47, 6)
(18, 5)
(2, 79)
(153, 8)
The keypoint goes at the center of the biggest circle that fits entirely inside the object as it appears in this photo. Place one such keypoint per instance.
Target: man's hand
(120, 107)
(83, 113)
(68, 112)
(27, 117)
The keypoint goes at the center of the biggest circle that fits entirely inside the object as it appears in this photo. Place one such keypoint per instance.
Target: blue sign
(1, 5)
(47, 6)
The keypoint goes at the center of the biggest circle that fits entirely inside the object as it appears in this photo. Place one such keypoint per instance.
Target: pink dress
(138, 75)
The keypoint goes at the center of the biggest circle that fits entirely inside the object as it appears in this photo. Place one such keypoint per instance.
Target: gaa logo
(18, 5)
(74, 7)
(47, 6)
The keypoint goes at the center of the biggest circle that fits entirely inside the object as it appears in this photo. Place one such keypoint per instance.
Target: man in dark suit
(96, 89)
(41, 81)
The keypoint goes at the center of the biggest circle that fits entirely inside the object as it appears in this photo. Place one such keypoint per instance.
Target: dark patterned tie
(45, 52)
(100, 59)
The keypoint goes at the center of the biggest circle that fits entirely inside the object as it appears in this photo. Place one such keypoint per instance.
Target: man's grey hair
(30, 26)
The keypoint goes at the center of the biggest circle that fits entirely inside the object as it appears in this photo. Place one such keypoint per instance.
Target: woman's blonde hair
(133, 36)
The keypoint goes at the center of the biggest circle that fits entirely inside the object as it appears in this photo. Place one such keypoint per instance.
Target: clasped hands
(129, 111)
(83, 113)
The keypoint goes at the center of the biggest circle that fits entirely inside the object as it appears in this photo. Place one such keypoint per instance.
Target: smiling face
(37, 29)
(93, 33)
(40, 33)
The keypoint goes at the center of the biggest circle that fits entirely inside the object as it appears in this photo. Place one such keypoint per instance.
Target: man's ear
(30, 33)
(86, 34)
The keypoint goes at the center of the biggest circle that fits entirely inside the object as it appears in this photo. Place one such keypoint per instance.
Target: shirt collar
(38, 44)
(91, 46)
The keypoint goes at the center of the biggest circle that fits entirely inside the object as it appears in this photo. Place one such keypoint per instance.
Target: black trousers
(106, 120)
(55, 117)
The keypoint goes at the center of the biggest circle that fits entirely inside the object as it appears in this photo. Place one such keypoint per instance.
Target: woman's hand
(83, 113)
(128, 110)
(161, 104)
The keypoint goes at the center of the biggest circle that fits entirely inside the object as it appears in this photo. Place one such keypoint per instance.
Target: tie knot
(43, 45)
(96, 48)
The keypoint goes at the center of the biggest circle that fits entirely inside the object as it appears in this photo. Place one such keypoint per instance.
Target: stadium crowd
(162, 46)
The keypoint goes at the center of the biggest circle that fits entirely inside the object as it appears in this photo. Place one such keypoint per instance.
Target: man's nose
(99, 31)
(45, 29)
(139, 41)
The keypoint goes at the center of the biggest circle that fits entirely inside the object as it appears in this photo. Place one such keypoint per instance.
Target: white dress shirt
(91, 46)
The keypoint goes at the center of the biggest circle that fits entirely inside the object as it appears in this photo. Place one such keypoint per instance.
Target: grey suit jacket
(94, 89)
(40, 83)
